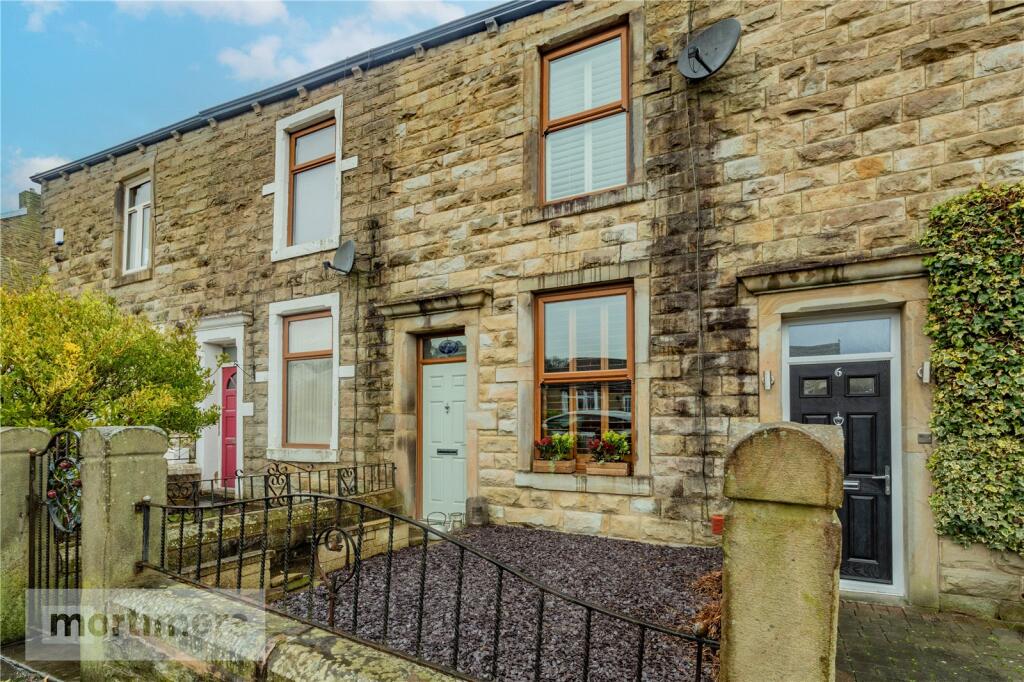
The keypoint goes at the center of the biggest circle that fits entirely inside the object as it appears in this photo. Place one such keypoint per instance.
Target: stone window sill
(614, 197)
(314, 455)
(637, 486)
(132, 277)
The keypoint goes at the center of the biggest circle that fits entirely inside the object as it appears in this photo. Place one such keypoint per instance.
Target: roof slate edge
(439, 35)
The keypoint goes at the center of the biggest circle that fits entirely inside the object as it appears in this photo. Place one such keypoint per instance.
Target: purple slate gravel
(648, 582)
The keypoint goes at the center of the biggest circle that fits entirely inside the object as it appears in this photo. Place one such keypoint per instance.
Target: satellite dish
(344, 257)
(709, 50)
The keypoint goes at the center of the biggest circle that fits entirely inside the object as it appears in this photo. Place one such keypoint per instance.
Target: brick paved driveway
(892, 643)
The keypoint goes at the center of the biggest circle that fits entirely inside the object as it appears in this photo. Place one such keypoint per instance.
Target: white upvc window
(302, 381)
(585, 116)
(307, 181)
(138, 209)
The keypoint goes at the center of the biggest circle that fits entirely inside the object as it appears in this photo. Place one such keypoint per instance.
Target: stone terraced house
(521, 189)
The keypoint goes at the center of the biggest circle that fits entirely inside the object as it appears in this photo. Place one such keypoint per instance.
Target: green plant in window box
(610, 454)
(554, 454)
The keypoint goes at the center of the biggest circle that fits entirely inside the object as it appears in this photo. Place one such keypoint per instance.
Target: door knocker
(838, 419)
(447, 408)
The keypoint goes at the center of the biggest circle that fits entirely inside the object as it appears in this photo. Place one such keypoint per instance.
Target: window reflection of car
(588, 423)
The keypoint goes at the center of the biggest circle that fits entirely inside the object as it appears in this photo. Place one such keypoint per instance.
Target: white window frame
(894, 355)
(281, 250)
(275, 386)
(128, 210)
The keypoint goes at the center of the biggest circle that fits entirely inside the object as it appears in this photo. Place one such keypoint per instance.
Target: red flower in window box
(610, 455)
(554, 454)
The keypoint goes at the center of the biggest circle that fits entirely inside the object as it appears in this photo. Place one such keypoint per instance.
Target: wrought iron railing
(181, 449)
(280, 478)
(362, 571)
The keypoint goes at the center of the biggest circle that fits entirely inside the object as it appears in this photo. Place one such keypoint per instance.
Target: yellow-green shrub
(72, 362)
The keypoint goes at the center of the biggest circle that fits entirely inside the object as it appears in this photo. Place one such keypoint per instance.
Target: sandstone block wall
(830, 133)
(978, 580)
(21, 243)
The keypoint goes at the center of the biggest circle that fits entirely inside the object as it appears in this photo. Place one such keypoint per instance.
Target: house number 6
(838, 372)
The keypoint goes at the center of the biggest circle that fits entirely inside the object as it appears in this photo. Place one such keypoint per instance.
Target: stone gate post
(15, 445)
(120, 466)
(782, 547)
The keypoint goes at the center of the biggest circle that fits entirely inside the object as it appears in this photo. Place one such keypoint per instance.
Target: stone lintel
(788, 463)
(792, 275)
(433, 304)
(222, 320)
(574, 278)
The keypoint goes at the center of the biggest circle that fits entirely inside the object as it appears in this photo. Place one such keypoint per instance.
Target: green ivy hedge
(976, 322)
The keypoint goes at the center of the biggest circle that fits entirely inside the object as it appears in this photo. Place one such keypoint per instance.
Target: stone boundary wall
(277, 517)
(291, 651)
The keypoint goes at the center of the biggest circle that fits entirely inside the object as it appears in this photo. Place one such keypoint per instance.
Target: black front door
(856, 396)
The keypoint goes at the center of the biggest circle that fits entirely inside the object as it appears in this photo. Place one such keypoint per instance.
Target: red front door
(228, 421)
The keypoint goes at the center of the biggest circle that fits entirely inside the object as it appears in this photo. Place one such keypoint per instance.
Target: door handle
(887, 477)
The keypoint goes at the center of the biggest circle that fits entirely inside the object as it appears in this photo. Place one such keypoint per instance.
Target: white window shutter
(586, 158)
(591, 156)
(585, 79)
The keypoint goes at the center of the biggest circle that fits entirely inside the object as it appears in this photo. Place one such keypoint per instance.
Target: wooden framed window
(585, 116)
(585, 365)
(311, 183)
(306, 380)
(138, 214)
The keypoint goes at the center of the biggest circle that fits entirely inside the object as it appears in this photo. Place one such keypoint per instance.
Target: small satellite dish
(709, 50)
(344, 257)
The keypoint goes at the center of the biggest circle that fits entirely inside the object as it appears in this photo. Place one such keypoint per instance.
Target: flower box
(551, 466)
(608, 468)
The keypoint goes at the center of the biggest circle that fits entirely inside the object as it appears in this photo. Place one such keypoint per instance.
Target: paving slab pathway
(890, 643)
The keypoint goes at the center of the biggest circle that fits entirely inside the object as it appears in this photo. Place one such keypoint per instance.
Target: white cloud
(259, 60)
(17, 171)
(271, 58)
(265, 60)
(248, 12)
(38, 11)
(436, 11)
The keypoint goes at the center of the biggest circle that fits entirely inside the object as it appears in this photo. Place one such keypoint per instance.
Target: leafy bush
(76, 362)
(976, 321)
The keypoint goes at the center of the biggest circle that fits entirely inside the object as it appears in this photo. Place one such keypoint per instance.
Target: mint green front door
(444, 438)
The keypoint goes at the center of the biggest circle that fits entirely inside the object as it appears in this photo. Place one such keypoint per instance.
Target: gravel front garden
(652, 583)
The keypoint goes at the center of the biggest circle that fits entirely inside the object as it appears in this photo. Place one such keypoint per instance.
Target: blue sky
(78, 77)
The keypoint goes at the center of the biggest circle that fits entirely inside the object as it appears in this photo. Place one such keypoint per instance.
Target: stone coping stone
(786, 462)
(290, 650)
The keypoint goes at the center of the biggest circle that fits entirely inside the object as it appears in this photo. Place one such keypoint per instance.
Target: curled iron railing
(282, 478)
(360, 570)
(181, 449)
(55, 516)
